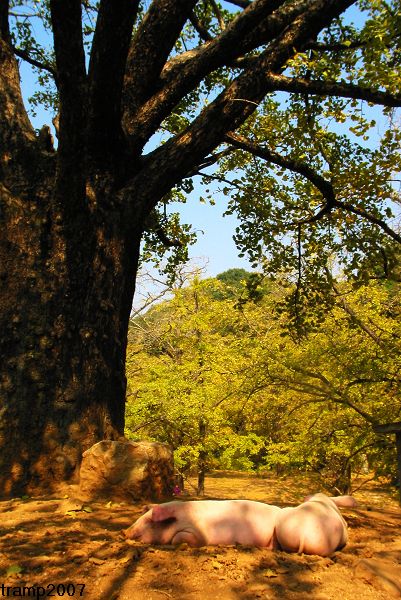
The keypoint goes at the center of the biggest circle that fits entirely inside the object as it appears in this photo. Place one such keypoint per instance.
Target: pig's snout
(132, 532)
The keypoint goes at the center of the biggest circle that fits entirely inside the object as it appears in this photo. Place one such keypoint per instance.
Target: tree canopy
(308, 173)
(219, 382)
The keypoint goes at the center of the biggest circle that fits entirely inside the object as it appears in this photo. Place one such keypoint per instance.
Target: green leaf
(14, 570)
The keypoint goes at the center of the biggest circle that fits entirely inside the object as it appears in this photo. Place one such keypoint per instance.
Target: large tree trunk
(68, 262)
(63, 321)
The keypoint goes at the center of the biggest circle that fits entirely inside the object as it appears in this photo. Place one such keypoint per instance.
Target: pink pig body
(314, 527)
(207, 523)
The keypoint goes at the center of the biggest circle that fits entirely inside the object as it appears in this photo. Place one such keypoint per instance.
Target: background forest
(220, 374)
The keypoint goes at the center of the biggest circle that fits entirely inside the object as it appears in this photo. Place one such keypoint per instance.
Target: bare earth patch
(48, 542)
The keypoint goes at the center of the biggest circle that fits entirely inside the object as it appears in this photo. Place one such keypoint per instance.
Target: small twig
(35, 63)
(200, 28)
(218, 14)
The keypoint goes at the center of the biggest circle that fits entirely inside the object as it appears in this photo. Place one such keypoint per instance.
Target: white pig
(314, 527)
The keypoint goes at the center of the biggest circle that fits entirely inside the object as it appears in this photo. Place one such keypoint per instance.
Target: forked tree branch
(230, 109)
(107, 65)
(323, 185)
(183, 73)
(150, 49)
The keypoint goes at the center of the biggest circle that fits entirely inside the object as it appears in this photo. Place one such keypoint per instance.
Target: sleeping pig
(314, 527)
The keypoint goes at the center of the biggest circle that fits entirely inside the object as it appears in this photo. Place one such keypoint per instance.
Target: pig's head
(152, 532)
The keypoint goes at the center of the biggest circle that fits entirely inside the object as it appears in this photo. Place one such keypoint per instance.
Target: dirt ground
(57, 547)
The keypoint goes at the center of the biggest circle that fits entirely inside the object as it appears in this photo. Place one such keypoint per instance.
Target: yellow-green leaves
(211, 373)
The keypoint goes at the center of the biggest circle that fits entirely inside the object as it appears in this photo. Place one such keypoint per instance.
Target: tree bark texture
(72, 218)
(67, 272)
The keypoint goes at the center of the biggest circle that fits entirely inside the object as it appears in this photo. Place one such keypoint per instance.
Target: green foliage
(337, 140)
(218, 381)
(185, 366)
(276, 208)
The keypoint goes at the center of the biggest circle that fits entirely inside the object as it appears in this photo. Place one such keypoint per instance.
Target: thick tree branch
(150, 49)
(71, 78)
(4, 26)
(16, 129)
(240, 3)
(256, 26)
(72, 87)
(324, 186)
(230, 109)
(183, 73)
(326, 88)
(388, 427)
(107, 65)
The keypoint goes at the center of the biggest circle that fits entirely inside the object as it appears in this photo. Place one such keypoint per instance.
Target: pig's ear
(345, 501)
(161, 512)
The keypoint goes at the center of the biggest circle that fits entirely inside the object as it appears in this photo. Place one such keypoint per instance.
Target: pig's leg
(187, 537)
(311, 528)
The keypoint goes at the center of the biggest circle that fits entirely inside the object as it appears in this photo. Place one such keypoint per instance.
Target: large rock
(127, 471)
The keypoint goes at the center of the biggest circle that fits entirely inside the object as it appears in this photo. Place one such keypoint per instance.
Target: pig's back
(236, 522)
